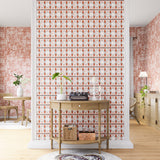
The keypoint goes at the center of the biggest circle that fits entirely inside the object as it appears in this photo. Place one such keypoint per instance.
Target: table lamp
(143, 75)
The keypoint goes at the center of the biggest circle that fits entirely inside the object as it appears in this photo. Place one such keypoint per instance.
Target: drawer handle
(79, 106)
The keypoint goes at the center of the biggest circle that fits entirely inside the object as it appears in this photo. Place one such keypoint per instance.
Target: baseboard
(124, 144)
(120, 144)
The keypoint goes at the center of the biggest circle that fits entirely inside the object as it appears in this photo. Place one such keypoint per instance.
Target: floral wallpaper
(146, 50)
(15, 57)
(153, 53)
(83, 39)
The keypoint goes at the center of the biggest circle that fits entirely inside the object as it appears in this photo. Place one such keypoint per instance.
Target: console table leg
(59, 128)
(59, 147)
(107, 143)
(99, 148)
(108, 127)
(51, 144)
(99, 128)
(51, 128)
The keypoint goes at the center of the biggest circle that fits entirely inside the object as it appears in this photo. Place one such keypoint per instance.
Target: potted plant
(143, 92)
(61, 96)
(18, 83)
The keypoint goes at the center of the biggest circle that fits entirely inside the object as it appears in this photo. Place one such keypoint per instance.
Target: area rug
(12, 125)
(79, 155)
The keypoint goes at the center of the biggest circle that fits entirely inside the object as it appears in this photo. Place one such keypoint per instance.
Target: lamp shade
(143, 74)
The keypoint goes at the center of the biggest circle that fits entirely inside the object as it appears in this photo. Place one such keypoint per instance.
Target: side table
(23, 99)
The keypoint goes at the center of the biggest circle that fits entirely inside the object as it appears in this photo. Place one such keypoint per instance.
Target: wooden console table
(80, 105)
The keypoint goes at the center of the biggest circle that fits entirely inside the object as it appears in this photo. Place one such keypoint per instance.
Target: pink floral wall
(139, 54)
(146, 50)
(15, 57)
(153, 53)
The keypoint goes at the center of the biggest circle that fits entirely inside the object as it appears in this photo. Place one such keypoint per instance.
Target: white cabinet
(149, 112)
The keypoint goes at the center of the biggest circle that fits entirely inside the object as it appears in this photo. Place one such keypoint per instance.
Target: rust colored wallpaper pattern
(146, 50)
(83, 39)
(15, 57)
(153, 53)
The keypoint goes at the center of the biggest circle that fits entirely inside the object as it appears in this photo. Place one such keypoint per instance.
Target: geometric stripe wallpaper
(83, 39)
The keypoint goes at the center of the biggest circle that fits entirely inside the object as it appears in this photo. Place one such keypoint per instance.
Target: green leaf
(55, 75)
(16, 83)
(21, 76)
(67, 78)
(18, 76)
(143, 94)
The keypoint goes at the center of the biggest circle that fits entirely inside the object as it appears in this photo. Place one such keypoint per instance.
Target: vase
(146, 91)
(19, 91)
(61, 97)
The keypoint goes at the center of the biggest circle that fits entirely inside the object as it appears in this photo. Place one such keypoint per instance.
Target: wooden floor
(13, 145)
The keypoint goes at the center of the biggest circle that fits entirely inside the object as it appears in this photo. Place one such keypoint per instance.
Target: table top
(5, 94)
(16, 98)
(80, 105)
(80, 102)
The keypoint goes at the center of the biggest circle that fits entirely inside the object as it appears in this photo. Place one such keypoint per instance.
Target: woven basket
(87, 136)
(70, 133)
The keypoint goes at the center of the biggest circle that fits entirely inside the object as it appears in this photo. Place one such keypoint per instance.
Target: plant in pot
(143, 92)
(18, 83)
(61, 96)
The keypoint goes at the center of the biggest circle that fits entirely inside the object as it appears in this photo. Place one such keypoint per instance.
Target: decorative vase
(19, 91)
(61, 97)
(146, 91)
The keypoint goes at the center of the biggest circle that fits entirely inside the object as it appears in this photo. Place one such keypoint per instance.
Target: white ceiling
(141, 12)
(15, 13)
(18, 12)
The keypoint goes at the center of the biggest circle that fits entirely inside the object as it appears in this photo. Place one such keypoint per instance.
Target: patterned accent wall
(82, 39)
(15, 57)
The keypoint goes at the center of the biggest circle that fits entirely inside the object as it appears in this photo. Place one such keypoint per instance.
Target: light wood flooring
(13, 145)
